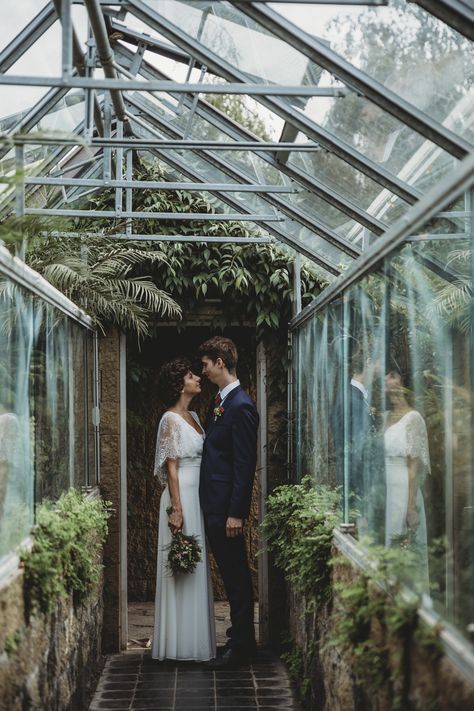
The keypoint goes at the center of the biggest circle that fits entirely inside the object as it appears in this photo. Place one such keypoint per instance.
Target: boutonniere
(218, 412)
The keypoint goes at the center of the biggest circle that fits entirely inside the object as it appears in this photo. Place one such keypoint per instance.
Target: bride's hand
(175, 521)
(413, 519)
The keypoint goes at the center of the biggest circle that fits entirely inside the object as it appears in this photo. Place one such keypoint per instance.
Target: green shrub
(298, 529)
(66, 554)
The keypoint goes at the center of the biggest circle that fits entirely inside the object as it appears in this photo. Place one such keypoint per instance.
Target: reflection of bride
(407, 464)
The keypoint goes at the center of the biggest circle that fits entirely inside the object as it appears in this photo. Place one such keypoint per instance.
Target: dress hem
(181, 659)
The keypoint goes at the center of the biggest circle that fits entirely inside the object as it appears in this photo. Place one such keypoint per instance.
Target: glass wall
(383, 407)
(46, 434)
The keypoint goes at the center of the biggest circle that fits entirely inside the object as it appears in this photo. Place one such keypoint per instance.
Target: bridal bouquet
(184, 553)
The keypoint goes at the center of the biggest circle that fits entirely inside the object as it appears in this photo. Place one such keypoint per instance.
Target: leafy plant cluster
(376, 621)
(298, 528)
(66, 551)
(373, 618)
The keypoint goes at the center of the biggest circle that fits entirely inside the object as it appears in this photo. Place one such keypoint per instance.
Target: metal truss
(161, 185)
(283, 205)
(222, 122)
(216, 239)
(277, 106)
(107, 142)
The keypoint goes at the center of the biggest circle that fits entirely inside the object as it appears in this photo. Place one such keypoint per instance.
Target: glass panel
(236, 39)
(406, 49)
(385, 399)
(351, 183)
(379, 137)
(19, 15)
(43, 58)
(16, 469)
(46, 381)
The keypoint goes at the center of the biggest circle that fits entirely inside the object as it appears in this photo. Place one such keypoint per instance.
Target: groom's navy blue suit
(227, 473)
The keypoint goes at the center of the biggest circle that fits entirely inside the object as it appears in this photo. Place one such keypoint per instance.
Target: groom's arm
(244, 450)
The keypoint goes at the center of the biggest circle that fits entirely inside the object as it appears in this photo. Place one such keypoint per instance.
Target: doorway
(142, 488)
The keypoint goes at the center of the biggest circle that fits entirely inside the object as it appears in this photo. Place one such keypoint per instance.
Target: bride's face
(393, 385)
(192, 384)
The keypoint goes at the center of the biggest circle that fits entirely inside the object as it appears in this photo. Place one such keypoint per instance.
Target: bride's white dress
(184, 626)
(406, 438)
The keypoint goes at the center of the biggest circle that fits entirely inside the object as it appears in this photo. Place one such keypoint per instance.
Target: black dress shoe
(232, 657)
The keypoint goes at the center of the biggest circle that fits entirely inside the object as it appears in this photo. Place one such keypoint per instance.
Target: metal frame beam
(174, 216)
(132, 237)
(160, 185)
(458, 14)
(224, 124)
(143, 144)
(379, 94)
(438, 198)
(278, 106)
(175, 87)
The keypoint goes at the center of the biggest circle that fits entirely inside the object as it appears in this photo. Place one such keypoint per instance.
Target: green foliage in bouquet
(184, 553)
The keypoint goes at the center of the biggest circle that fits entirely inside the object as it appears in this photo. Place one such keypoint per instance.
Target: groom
(227, 473)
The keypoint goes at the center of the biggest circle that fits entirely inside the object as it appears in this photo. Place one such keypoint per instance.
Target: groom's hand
(234, 527)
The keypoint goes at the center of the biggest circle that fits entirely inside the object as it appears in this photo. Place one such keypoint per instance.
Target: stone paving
(133, 681)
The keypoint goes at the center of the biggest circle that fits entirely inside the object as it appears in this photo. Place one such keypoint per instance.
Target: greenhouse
(297, 177)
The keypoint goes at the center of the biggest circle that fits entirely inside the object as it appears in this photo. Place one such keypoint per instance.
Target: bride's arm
(413, 518)
(175, 518)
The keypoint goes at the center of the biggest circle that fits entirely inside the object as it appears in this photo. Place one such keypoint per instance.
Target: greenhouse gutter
(430, 205)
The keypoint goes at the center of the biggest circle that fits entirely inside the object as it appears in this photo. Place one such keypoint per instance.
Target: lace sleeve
(168, 445)
(417, 440)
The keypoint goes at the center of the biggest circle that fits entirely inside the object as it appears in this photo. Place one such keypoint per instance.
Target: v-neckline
(201, 433)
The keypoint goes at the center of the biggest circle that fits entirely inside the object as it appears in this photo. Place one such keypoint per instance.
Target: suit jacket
(229, 457)
(349, 437)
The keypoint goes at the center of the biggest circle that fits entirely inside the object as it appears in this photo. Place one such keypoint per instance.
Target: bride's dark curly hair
(171, 380)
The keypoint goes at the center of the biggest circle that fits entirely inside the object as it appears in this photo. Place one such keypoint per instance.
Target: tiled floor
(133, 681)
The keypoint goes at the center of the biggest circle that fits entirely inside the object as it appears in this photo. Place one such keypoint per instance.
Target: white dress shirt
(228, 388)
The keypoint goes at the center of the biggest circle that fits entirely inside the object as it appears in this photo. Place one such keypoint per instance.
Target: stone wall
(328, 674)
(48, 662)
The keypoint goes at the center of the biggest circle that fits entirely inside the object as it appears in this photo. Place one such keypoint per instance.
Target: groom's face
(211, 370)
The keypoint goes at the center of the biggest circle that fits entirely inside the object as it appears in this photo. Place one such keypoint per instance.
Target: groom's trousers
(231, 559)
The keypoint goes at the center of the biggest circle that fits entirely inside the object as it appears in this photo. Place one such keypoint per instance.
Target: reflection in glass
(47, 442)
(383, 399)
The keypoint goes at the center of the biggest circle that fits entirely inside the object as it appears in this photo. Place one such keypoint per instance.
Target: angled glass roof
(317, 124)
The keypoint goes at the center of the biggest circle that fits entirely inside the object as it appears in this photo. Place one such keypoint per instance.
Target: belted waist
(190, 461)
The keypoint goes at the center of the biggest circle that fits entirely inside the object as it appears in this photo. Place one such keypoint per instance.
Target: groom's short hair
(220, 347)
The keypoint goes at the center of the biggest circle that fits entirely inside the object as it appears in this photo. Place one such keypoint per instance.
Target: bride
(184, 626)
(407, 462)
